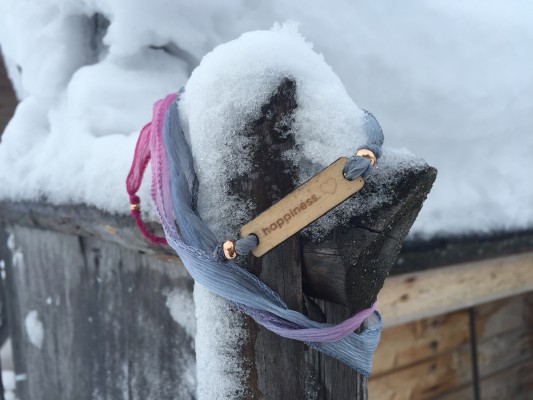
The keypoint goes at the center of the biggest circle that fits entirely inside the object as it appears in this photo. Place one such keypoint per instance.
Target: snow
(225, 93)
(73, 134)
(451, 82)
(220, 370)
(181, 306)
(8, 379)
(393, 163)
(17, 257)
(34, 328)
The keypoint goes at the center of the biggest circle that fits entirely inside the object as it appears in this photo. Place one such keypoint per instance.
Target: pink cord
(141, 159)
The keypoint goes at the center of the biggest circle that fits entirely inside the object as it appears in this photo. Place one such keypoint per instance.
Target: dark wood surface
(107, 330)
(351, 264)
(422, 253)
(331, 378)
(8, 101)
(300, 372)
(272, 178)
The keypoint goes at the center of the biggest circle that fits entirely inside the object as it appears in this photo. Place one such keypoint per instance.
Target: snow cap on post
(226, 92)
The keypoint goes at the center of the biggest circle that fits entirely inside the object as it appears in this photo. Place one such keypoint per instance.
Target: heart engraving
(329, 187)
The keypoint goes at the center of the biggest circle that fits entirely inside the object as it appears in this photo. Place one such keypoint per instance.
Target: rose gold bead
(135, 207)
(367, 154)
(229, 250)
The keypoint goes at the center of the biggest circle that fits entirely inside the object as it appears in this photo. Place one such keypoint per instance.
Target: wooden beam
(419, 254)
(425, 380)
(418, 295)
(408, 344)
(449, 372)
(504, 334)
(81, 220)
(514, 383)
(351, 264)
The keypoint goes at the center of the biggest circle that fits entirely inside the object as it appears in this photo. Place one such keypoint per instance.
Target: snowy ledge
(379, 232)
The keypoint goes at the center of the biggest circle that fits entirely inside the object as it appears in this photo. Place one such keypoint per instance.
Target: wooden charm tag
(298, 209)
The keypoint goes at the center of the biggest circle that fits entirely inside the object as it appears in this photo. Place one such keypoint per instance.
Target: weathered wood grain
(366, 248)
(415, 296)
(465, 392)
(13, 317)
(330, 379)
(504, 315)
(504, 330)
(81, 220)
(404, 345)
(505, 350)
(515, 383)
(270, 179)
(107, 330)
(424, 380)
(409, 343)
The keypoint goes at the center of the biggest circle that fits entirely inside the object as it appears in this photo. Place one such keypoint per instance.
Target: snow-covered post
(345, 270)
(277, 363)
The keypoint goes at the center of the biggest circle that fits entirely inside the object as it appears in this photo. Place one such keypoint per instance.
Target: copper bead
(229, 250)
(367, 154)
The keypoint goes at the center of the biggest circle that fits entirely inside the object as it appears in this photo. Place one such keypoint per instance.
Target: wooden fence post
(83, 265)
(286, 369)
(278, 363)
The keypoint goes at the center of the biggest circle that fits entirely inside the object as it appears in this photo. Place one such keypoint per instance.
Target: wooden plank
(504, 315)
(444, 374)
(419, 295)
(504, 334)
(505, 339)
(405, 345)
(15, 320)
(514, 383)
(80, 220)
(425, 380)
(465, 392)
(502, 351)
(107, 330)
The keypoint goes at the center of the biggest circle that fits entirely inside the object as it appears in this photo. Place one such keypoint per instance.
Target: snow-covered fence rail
(89, 299)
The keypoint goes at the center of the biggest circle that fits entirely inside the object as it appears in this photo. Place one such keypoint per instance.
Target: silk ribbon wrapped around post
(173, 190)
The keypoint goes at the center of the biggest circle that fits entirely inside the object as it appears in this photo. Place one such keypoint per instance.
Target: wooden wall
(433, 358)
(8, 101)
(107, 330)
